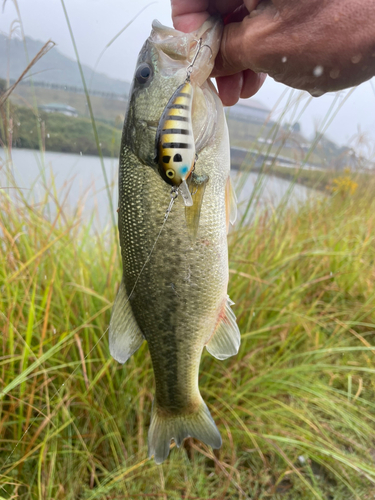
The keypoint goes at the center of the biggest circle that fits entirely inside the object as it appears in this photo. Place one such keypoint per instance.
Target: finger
(230, 88)
(182, 7)
(190, 22)
(252, 82)
(189, 15)
(242, 85)
(236, 16)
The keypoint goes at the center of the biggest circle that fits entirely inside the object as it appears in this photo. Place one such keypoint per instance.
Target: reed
(295, 407)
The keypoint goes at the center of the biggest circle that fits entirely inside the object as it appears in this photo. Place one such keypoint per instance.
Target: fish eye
(170, 173)
(143, 73)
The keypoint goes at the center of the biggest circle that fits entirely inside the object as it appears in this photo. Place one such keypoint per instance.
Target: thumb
(244, 43)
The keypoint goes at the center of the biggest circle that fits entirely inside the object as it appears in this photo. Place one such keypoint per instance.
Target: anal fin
(226, 340)
(125, 336)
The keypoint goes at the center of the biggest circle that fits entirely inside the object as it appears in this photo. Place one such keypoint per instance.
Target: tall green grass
(296, 406)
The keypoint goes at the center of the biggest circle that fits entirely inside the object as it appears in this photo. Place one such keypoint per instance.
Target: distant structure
(73, 88)
(249, 110)
(55, 107)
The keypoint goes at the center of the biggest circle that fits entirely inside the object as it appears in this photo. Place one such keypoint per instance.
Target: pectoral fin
(226, 340)
(185, 193)
(230, 203)
(125, 337)
(192, 213)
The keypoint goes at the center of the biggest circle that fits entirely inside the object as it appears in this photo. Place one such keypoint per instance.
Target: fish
(173, 293)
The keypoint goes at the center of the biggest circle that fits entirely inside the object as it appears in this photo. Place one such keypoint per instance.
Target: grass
(295, 407)
(322, 180)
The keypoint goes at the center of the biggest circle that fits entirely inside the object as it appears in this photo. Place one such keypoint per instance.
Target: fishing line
(174, 194)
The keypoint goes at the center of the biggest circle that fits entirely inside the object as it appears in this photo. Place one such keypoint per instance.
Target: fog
(96, 22)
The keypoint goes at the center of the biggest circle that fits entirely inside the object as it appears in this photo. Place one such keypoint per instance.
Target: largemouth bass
(175, 267)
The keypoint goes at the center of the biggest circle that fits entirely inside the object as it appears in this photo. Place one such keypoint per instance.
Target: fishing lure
(175, 141)
(174, 144)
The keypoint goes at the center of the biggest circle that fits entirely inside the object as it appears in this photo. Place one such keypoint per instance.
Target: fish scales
(174, 288)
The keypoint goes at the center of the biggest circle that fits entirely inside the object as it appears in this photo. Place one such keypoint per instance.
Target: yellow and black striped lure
(175, 147)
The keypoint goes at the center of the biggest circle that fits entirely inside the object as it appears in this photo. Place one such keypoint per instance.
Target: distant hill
(53, 68)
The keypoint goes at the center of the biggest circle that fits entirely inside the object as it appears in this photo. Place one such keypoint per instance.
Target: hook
(189, 69)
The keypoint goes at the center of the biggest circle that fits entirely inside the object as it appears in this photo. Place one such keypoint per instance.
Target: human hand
(187, 16)
(314, 45)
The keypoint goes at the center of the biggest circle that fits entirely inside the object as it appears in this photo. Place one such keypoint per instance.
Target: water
(267, 191)
(79, 180)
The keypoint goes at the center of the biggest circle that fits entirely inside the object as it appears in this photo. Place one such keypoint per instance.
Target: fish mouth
(177, 50)
(172, 53)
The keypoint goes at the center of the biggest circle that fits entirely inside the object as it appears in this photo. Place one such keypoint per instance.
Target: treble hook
(173, 195)
(189, 69)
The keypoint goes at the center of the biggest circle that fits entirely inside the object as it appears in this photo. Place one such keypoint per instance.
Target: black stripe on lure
(174, 143)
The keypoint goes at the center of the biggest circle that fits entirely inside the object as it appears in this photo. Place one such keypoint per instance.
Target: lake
(78, 179)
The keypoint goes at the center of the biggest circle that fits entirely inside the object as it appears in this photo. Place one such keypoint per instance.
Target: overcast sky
(96, 22)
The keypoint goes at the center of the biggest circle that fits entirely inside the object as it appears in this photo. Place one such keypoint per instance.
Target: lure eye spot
(143, 73)
(170, 173)
(177, 157)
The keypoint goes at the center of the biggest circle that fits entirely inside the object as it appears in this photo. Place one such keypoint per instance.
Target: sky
(96, 22)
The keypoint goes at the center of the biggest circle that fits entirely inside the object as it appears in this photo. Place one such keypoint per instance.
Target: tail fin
(199, 425)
